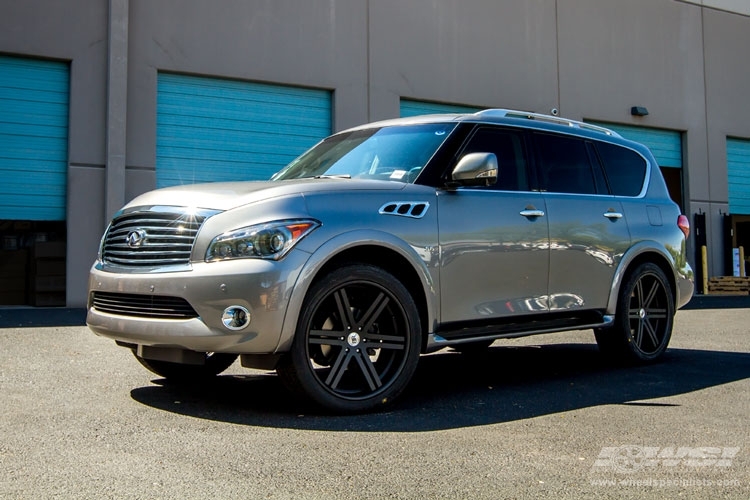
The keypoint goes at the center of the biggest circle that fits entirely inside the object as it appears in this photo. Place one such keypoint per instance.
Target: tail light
(684, 224)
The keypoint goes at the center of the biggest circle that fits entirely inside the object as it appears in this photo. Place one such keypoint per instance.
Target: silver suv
(394, 239)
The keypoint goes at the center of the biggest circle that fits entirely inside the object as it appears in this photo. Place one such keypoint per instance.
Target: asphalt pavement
(539, 417)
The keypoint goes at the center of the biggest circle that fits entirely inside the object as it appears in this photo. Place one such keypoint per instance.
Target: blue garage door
(738, 165)
(33, 139)
(211, 130)
(665, 145)
(416, 108)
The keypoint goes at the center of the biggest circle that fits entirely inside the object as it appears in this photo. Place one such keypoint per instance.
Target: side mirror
(475, 169)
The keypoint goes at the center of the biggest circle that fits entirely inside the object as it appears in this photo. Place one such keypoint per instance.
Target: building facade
(103, 100)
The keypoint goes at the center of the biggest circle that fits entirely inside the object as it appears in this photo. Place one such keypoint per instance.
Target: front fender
(335, 247)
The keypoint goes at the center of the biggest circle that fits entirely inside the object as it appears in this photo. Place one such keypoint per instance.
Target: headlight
(263, 241)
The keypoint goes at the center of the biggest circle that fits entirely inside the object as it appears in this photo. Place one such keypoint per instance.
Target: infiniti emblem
(136, 238)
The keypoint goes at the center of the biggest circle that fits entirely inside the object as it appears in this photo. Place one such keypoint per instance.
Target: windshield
(396, 153)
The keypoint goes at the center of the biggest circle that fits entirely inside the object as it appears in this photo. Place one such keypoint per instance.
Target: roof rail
(508, 113)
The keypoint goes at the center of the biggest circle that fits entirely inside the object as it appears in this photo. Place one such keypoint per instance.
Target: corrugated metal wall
(415, 108)
(211, 129)
(665, 145)
(738, 166)
(34, 97)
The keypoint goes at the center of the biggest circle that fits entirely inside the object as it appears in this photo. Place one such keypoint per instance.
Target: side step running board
(439, 340)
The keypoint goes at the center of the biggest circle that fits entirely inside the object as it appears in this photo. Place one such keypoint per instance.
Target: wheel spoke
(373, 312)
(639, 333)
(397, 346)
(368, 370)
(651, 295)
(327, 337)
(651, 333)
(345, 309)
(639, 293)
(657, 313)
(338, 369)
(385, 338)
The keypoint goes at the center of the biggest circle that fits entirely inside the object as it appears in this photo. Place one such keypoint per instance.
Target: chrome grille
(143, 306)
(151, 239)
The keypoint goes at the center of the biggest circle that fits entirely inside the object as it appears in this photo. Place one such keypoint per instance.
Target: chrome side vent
(413, 209)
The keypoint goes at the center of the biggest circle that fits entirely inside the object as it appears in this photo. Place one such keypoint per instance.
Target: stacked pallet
(48, 274)
(729, 285)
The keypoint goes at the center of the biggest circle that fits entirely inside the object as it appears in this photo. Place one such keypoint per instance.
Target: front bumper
(262, 287)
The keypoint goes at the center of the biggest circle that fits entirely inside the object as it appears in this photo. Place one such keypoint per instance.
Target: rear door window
(564, 165)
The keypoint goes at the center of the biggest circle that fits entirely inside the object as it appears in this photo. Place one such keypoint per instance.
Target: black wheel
(357, 342)
(178, 372)
(644, 317)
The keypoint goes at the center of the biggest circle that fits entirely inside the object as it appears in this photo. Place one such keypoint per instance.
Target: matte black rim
(358, 340)
(648, 314)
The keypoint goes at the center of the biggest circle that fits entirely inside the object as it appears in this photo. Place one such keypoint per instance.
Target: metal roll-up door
(738, 166)
(34, 97)
(415, 108)
(211, 129)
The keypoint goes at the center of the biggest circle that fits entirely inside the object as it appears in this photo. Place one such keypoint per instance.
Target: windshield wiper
(334, 176)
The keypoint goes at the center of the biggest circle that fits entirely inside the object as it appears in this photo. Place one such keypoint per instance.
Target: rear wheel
(357, 343)
(215, 363)
(645, 314)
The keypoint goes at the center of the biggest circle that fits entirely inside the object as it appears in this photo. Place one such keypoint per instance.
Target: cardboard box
(49, 250)
(12, 283)
(9, 242)
(12, 297)
(13, 263)
(48, 267)
(48, 299)
(48, 284)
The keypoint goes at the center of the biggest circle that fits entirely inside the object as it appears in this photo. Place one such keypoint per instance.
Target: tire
(357, 342)
(180, 373)
(644, 318)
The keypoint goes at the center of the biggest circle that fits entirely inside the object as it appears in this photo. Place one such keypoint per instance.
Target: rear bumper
(685, 279)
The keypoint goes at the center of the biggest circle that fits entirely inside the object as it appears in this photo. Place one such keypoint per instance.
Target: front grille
(151, 239)
(143, 306)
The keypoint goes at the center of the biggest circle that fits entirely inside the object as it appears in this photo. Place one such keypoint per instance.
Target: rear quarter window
(625, 169)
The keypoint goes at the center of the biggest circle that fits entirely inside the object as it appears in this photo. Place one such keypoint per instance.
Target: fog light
(235, 317)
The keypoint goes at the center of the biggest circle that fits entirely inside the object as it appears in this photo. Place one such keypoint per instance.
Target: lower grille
(143, 306)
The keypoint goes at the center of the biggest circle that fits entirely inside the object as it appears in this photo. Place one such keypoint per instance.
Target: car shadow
(452, 390)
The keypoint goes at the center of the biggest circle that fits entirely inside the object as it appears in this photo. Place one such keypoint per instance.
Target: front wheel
(644, 318)
(357, 343)
(214, 364)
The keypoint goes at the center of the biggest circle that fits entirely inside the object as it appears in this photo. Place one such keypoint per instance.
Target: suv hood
(228, 195)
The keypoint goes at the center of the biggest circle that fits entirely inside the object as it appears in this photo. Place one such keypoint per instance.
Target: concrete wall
(485, 54)
(726, 43)
(592, 59)
(75, 31)
(638, 53)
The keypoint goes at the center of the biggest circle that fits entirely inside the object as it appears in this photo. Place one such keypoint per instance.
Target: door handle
(613, 215)
(532, 212)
